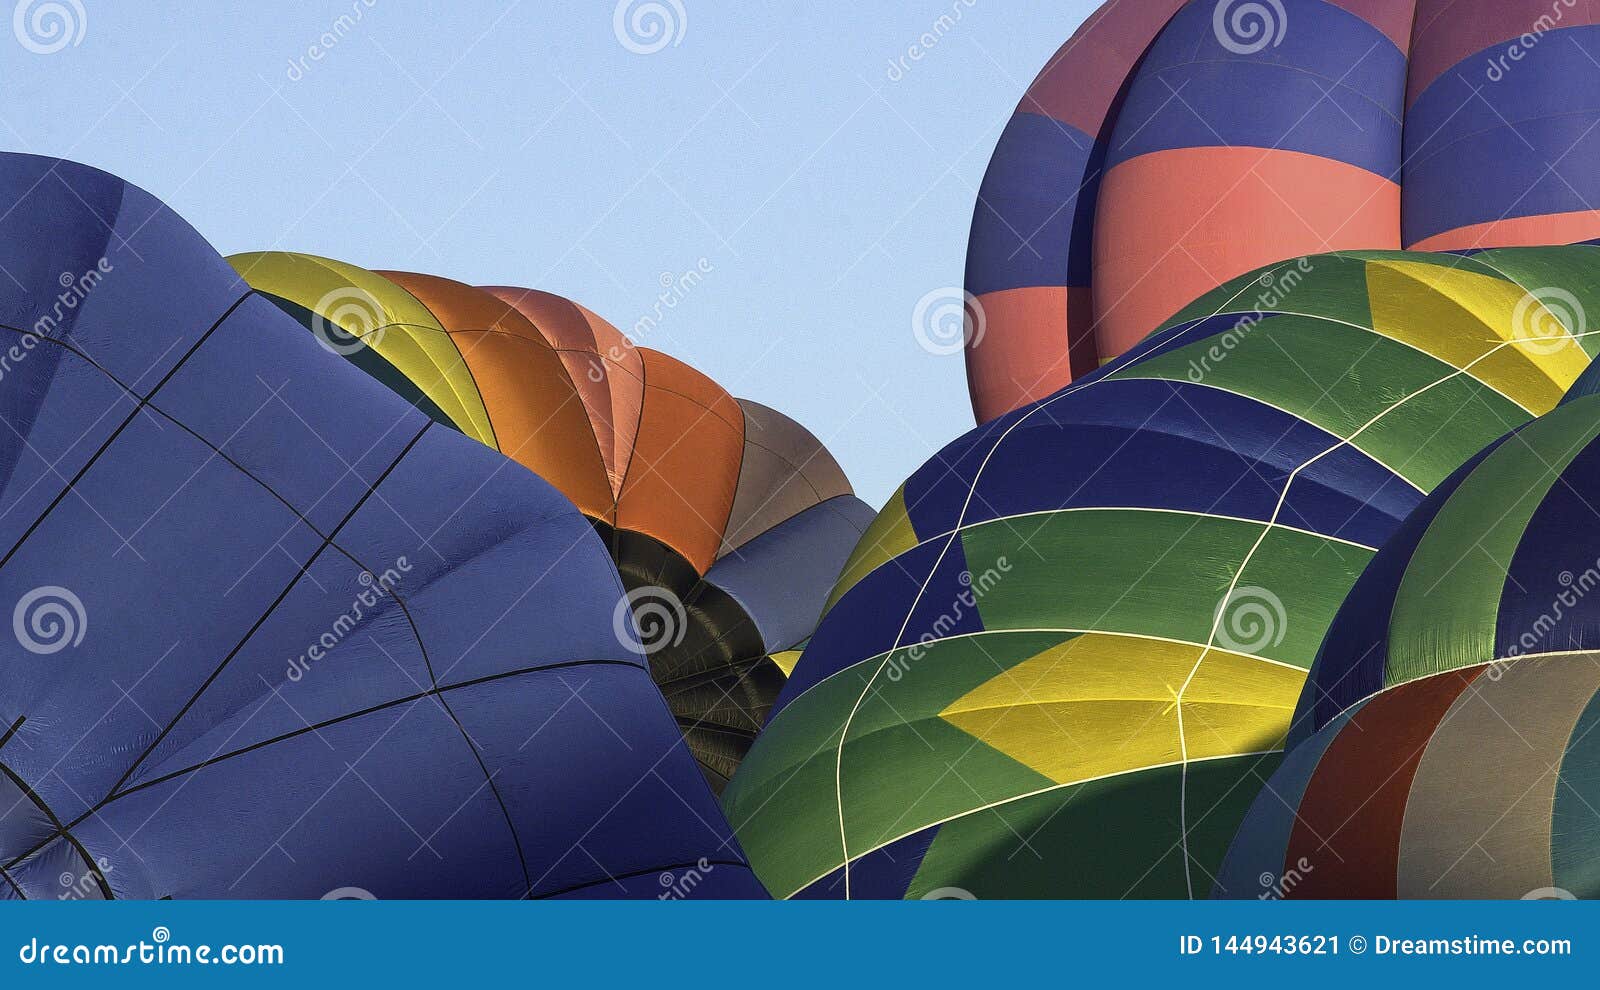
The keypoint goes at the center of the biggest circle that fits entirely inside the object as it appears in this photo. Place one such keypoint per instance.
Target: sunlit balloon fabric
(276, 634)
(1445, 739)
(1065, 655)
(728, 520)
(1170, 146)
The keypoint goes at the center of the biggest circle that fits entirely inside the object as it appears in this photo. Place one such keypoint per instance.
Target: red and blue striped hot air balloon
(1171, 146)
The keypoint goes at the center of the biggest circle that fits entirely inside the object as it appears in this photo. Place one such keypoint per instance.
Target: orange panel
(538, 416)
(685, 469)
(1175, 224)
(1035, 340)
(603, 364)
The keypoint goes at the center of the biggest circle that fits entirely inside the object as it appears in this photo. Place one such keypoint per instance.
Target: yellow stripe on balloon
(1102, 704)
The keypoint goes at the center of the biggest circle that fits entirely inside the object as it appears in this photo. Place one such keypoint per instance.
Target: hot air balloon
(728, 520)
(1444, 742)
(275, 633)
(1145, 165)
(1064, 657)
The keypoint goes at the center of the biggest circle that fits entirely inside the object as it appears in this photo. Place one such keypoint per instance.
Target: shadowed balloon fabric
(277, 633)
(1065, 656)
(1445, 743)
(728, 520)
(1170, 146)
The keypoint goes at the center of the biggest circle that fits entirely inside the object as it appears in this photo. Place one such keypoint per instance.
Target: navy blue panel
(209, 552)
(337, 643)
(106, 267)
(936, 491)
(56, 409)
(866, 621)
(1354, 654)
(58, 871)
(279, 406)
(1336, 85)
(1479, 151)
(391, 802)
(550, 736)
(1554, 568)
(1033, 222)
(1183, 335)
(782, 577)
(1120, 442)
(498, 560)
(885, 874)
(24, 825)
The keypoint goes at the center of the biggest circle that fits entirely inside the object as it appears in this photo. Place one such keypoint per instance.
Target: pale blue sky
(522, 143)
